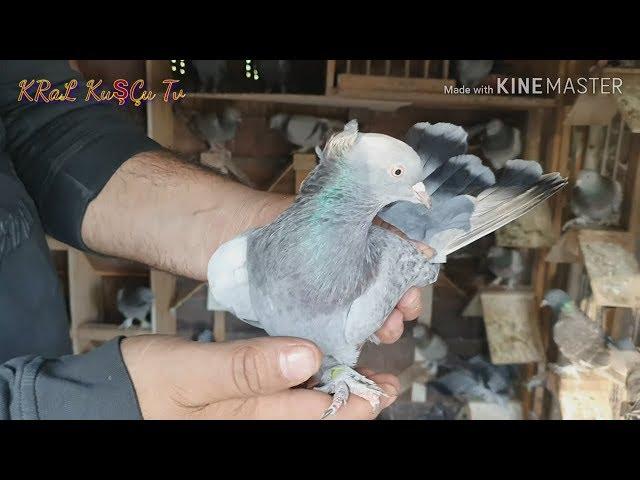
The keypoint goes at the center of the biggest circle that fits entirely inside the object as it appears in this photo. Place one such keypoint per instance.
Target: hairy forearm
(173, 215)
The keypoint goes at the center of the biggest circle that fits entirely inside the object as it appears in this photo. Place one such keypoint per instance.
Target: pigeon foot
(128, 323)
(341, 381)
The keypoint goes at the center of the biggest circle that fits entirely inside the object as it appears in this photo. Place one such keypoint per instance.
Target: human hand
(249, 379)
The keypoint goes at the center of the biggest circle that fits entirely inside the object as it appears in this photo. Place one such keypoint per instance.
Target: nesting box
(605, 132)
(368, 78)
(589, 396)
(476, 410)
(532, 230)
(612, 267)
(511, 321)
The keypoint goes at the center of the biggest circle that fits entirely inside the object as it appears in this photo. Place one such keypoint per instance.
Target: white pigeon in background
(135, 304)
(305, 131)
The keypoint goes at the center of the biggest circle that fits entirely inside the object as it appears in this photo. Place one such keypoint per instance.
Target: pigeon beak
(544, 303)
(421, 194)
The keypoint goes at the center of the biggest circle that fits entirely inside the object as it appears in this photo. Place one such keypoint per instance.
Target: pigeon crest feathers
(340, 143)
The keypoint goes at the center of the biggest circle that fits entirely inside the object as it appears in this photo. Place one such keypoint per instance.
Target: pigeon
(506, 264)
(275, 74)
(218, 130)
(471, 73)
(464, 384)
(581, 340)
(210, 73)
(432, 348)
(205, 336)
(595, 200)
(324, 271)
(499, 142)
(135, 304)
(304, 131)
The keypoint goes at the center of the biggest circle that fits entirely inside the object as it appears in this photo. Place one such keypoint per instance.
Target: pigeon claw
(342, 381)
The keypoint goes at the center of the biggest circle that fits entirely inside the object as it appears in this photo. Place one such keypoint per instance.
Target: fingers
(392, 329)
(409, 308)
(242, 369)
(303, 404)
(411, 304)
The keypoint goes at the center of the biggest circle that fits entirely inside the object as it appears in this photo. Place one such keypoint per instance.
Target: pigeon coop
(603, 134)
(384, 78)
(93, 282)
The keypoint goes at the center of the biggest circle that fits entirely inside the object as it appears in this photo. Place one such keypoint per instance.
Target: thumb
(259, 366)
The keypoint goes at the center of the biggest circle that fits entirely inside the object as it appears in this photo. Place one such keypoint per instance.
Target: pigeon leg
(128, 323)
(341, 381)
(496, 281)
(145, 324)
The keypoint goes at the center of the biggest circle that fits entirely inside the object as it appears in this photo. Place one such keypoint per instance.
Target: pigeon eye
(397, 170)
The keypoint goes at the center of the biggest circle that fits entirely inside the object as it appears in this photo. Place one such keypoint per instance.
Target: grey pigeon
(217, 130)
(581, 340)
(471, 73)
(432, 348)
(595, 200)
(210, 73)
(478, 379)
(205, 336)
(135, 304)
(506, 264)
(323, 271)
(275, 74)
(304, 131)
(464, 384)
(499, 142)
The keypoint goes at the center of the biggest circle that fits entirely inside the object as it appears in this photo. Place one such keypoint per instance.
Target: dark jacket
(55, 158)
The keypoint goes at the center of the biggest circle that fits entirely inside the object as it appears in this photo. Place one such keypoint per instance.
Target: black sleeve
(93, 386)
(64, 152)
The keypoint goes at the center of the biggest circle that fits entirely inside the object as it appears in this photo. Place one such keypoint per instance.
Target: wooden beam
(85, 295)
(163, 318)
(331, 76)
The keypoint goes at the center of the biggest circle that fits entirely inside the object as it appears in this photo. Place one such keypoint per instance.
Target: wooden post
(445, 69)
(331, 76)
(85, 295)
(219, 326)
(163, 318)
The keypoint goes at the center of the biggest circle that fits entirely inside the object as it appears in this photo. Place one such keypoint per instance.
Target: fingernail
(297, 363)
(411, 299)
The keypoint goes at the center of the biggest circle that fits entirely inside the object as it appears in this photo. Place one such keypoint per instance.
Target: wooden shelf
(103, 332)
(483, 102)
(307, 100)
(388, 101)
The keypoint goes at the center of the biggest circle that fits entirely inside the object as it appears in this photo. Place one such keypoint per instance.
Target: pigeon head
(500, 256)
(588, 180)
(558, 300)
(231, 116)
(390, 166)
(146, 294)
(278, 121)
